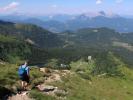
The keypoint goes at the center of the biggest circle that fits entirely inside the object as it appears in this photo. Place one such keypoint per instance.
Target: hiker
(24, 75)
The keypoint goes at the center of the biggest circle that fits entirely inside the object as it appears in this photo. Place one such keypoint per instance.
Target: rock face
(59, 92)
(54, 75)
(51, 90)
(2, 62)
(46, 88)
(45, 70)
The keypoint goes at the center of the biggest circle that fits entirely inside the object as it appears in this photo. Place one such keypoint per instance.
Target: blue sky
(44, 7)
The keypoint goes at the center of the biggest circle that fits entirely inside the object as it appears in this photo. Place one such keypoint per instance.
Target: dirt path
(22, 96)
(52, 90)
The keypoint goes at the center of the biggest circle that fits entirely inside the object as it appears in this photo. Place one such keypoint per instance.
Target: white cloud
(119, 1)
(98, 2)
(9, 7)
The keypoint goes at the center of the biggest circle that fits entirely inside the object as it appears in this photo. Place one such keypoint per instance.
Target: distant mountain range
(60, 23)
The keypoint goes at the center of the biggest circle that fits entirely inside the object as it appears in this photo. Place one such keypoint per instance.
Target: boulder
(46, 88)
(45, 70)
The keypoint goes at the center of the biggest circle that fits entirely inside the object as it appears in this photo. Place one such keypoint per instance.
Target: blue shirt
(26, 68)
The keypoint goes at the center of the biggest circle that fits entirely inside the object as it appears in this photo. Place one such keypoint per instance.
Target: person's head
(26, 62)
(23, 63)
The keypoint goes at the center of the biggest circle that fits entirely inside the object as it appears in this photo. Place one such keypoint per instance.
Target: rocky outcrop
(53, 75)
(52, 91)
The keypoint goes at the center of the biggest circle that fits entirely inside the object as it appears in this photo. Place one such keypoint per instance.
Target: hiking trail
(53, 76)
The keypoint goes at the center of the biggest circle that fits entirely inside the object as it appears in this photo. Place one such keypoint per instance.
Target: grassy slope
(100, 88)
(7, 39)
(109, 88)
(9, 78)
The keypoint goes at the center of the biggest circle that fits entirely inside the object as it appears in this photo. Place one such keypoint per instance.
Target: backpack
(22, 71)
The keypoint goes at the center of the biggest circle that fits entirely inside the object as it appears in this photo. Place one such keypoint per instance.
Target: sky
(46, 7)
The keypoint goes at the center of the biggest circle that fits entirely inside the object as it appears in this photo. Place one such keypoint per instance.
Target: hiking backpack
(22, 71)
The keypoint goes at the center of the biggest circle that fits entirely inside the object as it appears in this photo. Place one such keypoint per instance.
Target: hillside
(100, 39)
(13, 50)
(36, 35)
(57, 45)
(78, 83)
(95, 36)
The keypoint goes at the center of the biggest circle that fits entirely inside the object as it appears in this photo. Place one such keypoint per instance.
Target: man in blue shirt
(24, 75)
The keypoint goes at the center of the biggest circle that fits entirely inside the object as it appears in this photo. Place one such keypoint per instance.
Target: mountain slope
(38, 35)
(92, 37)
(13, 49)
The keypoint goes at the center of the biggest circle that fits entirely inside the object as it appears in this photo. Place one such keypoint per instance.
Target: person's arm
(28, 70)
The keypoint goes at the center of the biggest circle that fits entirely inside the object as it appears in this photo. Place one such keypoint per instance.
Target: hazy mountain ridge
(59, 23)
